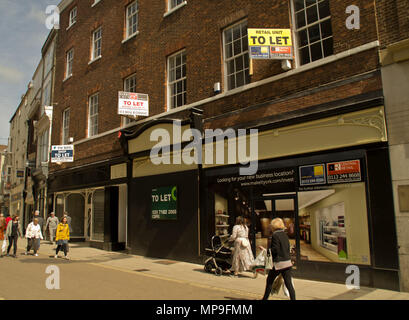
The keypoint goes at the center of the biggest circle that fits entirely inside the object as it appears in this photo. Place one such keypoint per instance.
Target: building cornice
(395, 53)
(64, 4)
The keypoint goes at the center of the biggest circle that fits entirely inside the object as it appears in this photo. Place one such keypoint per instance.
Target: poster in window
(344, 172)
(164, 203)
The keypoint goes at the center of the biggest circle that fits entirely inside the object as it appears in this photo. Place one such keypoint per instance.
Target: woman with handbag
(62, 236)
(242, 256)
(280, 251)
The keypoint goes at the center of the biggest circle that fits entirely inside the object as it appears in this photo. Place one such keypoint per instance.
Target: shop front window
(334, 224)
(323, 208)
(75, 206)
(98, 202)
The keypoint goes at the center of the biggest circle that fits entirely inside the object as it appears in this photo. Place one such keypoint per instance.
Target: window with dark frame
(236, 56)
(313, 29)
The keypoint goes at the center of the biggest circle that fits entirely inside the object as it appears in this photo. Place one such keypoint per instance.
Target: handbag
(245, 243)
(269, 261)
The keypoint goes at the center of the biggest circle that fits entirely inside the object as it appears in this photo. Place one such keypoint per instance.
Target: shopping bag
(277, 284)
(4, 246)
(258, 265)
(259, 262)
(268, 261)
(285, 290)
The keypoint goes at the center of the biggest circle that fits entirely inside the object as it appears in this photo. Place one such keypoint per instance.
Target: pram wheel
(208, 267)
(218, 271)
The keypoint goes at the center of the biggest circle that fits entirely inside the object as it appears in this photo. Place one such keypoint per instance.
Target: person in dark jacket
(280, 251)
(13, 232)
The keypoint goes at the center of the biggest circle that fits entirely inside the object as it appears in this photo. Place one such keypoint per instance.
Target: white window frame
(233, 57)
(69, 63)
(129, 88)
(44, 146)
(171, 7)
(296, 31)
(73, 17)
(95, 3)
(65, 126)
(129, 20)
(93, 127)
(96, 39)
(182, 79)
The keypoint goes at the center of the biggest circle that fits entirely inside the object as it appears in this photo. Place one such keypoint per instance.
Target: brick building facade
(326, 111)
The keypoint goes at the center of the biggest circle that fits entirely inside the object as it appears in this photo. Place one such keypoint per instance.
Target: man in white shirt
(33, 235)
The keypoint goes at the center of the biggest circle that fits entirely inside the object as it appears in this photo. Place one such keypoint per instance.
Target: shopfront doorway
(267, 207)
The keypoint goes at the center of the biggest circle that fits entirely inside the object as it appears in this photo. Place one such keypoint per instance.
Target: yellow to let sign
(269, 37)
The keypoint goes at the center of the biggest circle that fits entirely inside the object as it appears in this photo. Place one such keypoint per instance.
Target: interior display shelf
(330, 246)
(334, 227)
(330, 235)
(222, 225)
(222, 215)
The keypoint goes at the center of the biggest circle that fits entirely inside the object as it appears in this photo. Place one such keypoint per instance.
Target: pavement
(193, 275)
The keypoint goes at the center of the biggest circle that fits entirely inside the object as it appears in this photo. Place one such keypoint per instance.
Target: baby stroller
(219, 257)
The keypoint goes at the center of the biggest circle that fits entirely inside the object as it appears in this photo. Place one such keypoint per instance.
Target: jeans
(287, 280)
(33, 243)
(12, 241)
(64, 247)
(52, 233)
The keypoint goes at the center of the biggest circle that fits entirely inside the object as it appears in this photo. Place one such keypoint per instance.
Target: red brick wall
(393, 20)
(197, 28)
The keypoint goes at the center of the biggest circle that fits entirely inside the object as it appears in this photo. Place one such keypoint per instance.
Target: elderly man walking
(40, 219)
(51, 225)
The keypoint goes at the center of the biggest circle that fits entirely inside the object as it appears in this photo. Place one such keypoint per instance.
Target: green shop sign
(164, 203)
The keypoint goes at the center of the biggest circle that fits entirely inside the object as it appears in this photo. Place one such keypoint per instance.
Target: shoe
(25, 253)
(36, 255)
(56, 256)
(67, 258)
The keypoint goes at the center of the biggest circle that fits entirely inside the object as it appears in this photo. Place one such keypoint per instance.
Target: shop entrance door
(264, 210)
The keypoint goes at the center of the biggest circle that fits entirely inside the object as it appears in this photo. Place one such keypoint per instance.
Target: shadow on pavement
(353, 294)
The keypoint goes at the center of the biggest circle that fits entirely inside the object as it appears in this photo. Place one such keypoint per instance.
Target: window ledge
(130, 37)
(96, 59)
(67, 78)
(95, 3)
(70, 26)
(175, 9)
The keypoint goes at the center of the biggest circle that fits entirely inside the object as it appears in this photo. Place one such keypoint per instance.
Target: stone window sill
(175, 9)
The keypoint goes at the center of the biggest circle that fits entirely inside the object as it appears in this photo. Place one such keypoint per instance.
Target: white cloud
(10, 75)
(37, 15)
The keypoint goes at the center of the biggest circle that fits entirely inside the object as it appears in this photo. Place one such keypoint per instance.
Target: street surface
(94, 274)
(25, 277)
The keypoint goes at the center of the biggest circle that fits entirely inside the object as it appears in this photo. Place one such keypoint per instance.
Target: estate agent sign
(164, 203)
(133, 104)
(62, 153)
(270, 44)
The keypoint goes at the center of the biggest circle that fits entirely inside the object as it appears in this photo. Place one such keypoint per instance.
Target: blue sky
(22, 34)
